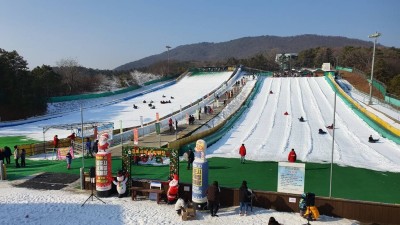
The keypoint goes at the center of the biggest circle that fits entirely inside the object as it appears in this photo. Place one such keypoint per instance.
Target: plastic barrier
(374, 121)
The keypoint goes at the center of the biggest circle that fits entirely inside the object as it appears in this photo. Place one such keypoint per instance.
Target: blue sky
(106, 34)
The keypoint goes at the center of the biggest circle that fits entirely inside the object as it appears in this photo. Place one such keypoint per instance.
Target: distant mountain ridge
(245, 47)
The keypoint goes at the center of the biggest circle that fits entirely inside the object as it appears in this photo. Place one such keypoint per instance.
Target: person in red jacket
(56, 142)
(72, 138)
(292, 156)
(242, 152)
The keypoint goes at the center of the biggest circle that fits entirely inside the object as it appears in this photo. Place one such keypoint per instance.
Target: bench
(155, 188)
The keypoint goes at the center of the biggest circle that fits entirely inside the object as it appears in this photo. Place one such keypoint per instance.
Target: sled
(314, 212)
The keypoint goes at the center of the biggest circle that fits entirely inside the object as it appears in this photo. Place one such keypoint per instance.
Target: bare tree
(68, 68)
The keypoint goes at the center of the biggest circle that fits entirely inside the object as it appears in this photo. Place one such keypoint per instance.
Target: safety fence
(180, 115)
(374, 121)
(391, 99)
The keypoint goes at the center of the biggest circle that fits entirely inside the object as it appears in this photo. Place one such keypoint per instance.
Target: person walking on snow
(242, 152)
(69, 160)
(170, 124)
(292, 156)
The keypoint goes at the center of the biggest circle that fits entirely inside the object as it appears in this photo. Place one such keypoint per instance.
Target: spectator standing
(16, 156)
(88, 145)
(244, 198)
(242, 152)
(56, 142)
(69, 160)
(213, 193)
(292, 156)
(190, 158)
(23, 154)
(7, 154)
(72, 138)
(96, 146)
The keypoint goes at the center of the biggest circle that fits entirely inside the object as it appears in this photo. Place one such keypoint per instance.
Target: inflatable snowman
(121, 184)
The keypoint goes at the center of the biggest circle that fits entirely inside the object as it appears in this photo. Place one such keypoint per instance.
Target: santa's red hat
(175, 181)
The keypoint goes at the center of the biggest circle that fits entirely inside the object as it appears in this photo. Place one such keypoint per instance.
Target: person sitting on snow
(301, 119)
(330, 126)
(320, 131)
(372, 140)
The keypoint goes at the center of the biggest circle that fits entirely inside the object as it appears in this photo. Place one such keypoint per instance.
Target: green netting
(380, 86)
(392, 101)
(377, 127)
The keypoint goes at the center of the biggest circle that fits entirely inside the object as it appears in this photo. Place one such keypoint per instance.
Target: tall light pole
(333, 146)
(375, 35)
(168, 47)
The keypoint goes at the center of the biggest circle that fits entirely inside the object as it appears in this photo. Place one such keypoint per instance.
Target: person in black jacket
(190, 158)
(213, 193)
(7, 154)
(272, 221)
(244, 198)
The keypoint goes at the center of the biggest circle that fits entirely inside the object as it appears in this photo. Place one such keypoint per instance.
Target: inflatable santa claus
(103, 142)
(172, 193)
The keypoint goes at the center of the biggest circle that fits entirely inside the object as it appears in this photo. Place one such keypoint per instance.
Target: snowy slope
(184, 92)
(269, 135)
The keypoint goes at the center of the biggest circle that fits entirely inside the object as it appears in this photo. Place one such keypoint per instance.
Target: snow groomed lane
(269, 135)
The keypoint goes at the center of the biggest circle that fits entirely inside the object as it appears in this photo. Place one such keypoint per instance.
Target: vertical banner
(187, 118)
(200, 175)
(291, 177)
(157, 128)
(157, 117)
(135, 136)
(62, 152)
(103, 173)
(141, 121)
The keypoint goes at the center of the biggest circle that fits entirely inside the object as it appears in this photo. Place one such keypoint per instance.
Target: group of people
(191, 119)
(242, 152)
(5, 154)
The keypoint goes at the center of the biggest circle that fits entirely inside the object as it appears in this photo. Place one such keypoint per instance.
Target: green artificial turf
(15, 140)
(348, 182)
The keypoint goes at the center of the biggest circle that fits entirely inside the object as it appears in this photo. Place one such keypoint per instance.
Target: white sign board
(291, 177)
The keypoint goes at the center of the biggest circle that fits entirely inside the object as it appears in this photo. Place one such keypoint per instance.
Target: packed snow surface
(63, 207)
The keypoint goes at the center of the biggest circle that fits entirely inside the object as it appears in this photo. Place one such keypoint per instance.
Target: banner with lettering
(135, 136)
(103, 171)
(62, 152)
